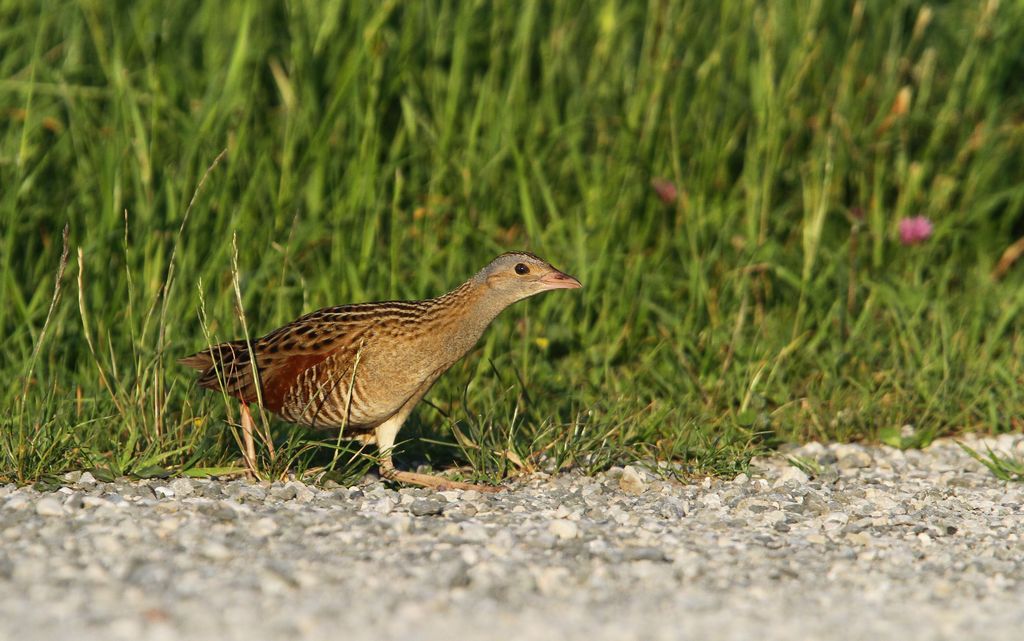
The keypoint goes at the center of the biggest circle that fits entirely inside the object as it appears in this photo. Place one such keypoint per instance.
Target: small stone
(812, 504)
(263, 527)
(250, 494)
(284, 492)
(466, 510)
(711, 501)
(564, 529)
(473, 531)
(835, 521)
(221, 510)
(401, 523)
(182, 487)
(211, 491)
(644, 554)
(75, 501)
(49, 506)
(426, 507)
(550, 580)
(17, 502)
(791, 474)
(631, 482)
(216, 551)
(302, 492)
(849, 457)
(163, 492)
(115, 500)
(383, 505)
(859, 538)
(943, 589)
(165, 507)
(89, 501)
(87, 481)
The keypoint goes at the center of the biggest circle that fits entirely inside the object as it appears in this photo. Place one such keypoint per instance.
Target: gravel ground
(883, 544)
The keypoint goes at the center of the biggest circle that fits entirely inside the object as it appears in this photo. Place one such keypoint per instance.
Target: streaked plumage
(363, 367)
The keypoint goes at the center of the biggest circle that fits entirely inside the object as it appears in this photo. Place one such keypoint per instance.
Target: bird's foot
(434, 482)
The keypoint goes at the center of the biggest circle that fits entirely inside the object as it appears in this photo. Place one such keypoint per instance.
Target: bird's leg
(385, 437)
(249, 453)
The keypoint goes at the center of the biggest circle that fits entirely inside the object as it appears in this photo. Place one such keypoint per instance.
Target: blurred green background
(362, 151)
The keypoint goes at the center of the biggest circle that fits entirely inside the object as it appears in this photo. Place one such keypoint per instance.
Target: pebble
(163, 492)
(859, 538)
(631, 481)
(790, 475)
(283, 492)
(303, 494)
(216, 551)
(181, 487)
(49, 506)
(17, 502)
(263, 527)
(924, 540)
(426, 507)
(86, 481)
(564, 529)
(75, 501)
(90, 501)
(383, 505)
(851, 456)
(835, 521)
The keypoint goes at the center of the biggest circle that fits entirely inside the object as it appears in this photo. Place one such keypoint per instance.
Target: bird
(361, 368)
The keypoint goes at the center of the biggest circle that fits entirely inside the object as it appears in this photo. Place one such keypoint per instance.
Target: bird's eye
(522, 269)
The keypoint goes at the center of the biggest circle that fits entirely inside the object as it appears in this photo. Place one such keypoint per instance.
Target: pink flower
(665, 189)
(915, 230)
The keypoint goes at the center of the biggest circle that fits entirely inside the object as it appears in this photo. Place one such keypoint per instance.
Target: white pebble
(49, 506)
(564, 529)
(263, 527)
(163, 492)
(788, 474)
(631, 482)
(182, 487)
(17, 502)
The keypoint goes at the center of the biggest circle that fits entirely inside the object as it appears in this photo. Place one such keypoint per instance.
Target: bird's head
(518, 275)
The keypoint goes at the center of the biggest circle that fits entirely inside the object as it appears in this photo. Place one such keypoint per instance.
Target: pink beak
(558, 280)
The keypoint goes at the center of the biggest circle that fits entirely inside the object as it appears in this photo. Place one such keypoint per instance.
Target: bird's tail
(226, 367)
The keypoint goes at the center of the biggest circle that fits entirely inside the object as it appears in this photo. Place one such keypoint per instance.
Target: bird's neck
(465, 312)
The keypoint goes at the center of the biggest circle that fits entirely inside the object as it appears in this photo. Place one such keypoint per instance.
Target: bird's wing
(281, 357)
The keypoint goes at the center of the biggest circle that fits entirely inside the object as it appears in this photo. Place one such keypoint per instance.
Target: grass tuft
(727, 179)
(1004, 467)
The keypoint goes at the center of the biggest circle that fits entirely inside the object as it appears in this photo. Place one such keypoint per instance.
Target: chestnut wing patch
(281, 358)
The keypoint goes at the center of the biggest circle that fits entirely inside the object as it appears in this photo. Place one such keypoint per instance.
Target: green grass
(1004, 467)
(388, 150)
